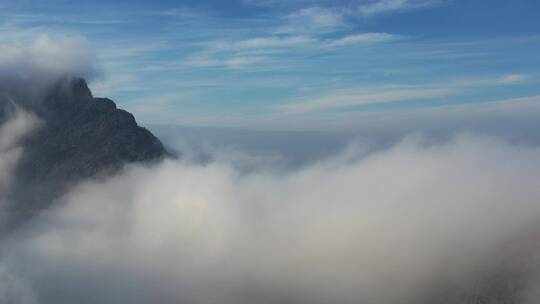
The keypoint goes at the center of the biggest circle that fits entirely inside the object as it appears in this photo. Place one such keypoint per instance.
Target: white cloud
(513, 78)
(274, 42)
(285, 3)
(270, 49)
(391, 93)
(346, 230)
(116, 83)
(16, 125)
(344, 9)
(49, 57)
(505, 80)
(315, 20)
(184, 13)
(365, 38)
(231, 62)
(364, 96)
(384, 6)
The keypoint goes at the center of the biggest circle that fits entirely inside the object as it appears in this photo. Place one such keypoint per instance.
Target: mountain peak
(80, 137)
(74, 86)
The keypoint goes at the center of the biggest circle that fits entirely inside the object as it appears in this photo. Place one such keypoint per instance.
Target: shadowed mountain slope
(78, 137)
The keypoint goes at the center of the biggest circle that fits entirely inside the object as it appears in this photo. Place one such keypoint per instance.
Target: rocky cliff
(78, 137)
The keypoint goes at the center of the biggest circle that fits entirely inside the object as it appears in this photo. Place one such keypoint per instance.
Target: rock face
(79, 137)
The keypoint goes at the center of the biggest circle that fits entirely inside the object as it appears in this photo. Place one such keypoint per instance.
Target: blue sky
(295, 64)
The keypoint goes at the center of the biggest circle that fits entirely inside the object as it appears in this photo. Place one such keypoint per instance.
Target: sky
(295, 64)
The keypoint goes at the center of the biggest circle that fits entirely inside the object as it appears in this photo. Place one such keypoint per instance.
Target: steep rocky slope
(78, 137)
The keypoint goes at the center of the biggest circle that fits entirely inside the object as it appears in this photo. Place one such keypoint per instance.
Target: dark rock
(80, 137)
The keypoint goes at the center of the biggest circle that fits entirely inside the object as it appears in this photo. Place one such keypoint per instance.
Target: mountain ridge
(79, 137)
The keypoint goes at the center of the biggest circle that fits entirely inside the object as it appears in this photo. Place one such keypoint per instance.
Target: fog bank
(395, 226)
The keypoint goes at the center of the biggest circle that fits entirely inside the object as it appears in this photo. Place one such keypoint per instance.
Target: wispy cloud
(286, 3)
(116, 83)
(393, 93)
(183, 13)
(364, 96)
(274, 41)
(385, 6)
(366, 38)
(508, 79)
(514, 78)
(289, 41)
(313, 20)
(235, 54)
(340, 9)
(120, 52)
(233, 62)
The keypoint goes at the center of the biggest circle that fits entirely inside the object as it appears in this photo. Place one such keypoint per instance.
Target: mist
(28, 70)
(19, 124)
(394, 226)
(48, 58)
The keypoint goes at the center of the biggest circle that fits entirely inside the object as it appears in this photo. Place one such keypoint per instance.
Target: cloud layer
(370, 229)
